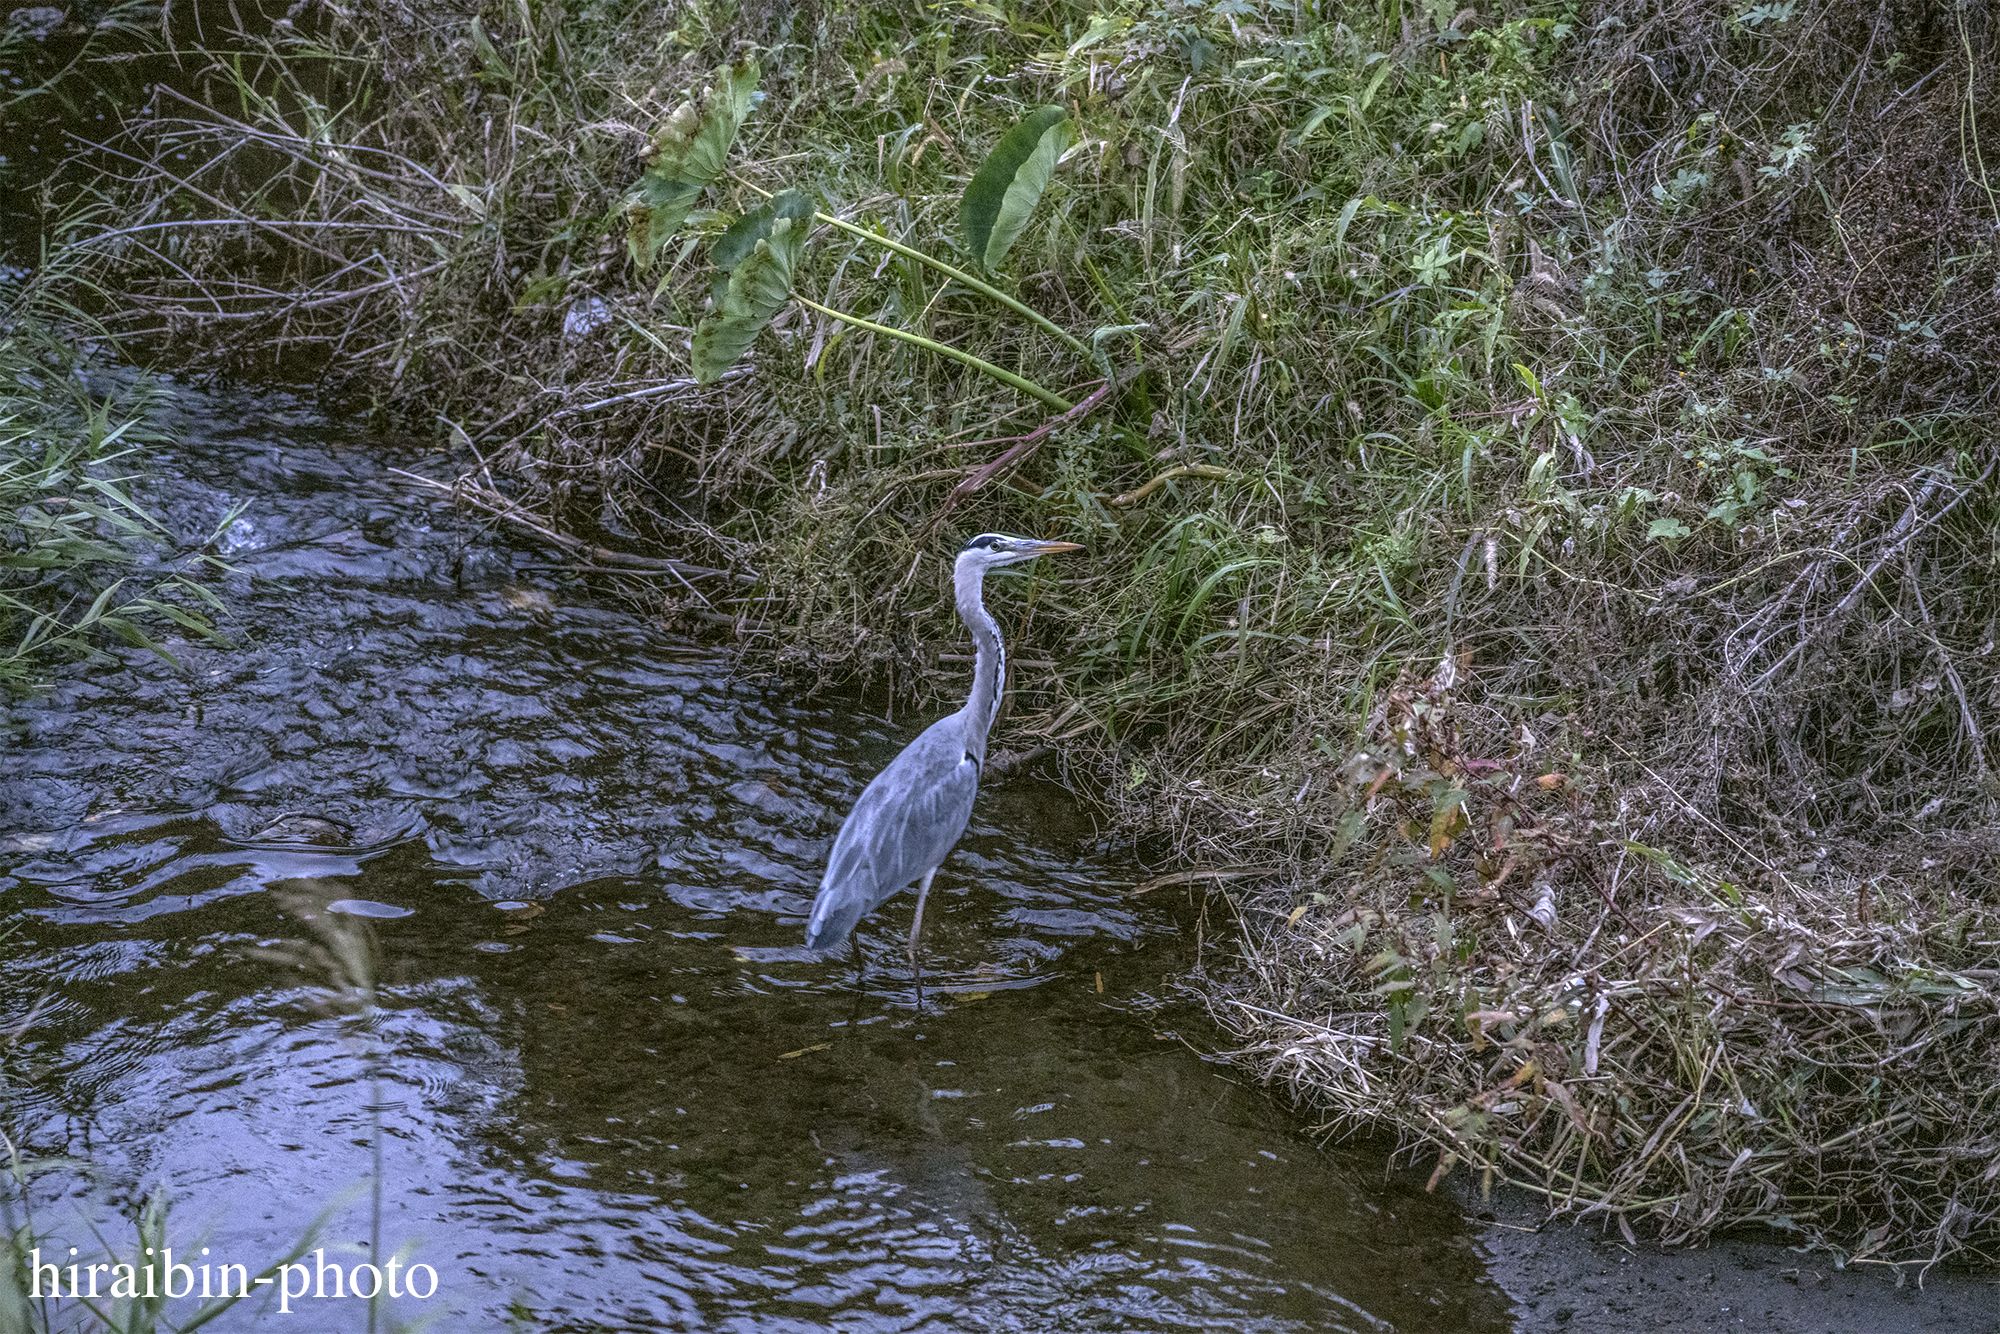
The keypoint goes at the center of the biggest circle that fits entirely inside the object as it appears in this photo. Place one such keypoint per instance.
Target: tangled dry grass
(1633, 357)
(1490, 960)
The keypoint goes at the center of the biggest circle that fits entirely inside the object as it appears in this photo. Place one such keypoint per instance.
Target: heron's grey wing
(905, 823)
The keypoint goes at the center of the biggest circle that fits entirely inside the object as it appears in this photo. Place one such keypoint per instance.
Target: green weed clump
(83, 563)
(1632, 360)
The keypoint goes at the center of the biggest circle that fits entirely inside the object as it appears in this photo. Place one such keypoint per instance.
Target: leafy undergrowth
(85, 564)
(1633, 360)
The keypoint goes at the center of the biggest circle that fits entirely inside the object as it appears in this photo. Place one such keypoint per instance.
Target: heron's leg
(917, 925)
(854, 952)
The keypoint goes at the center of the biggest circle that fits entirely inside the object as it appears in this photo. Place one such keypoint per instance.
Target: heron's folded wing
(906, 821)
(936, 815)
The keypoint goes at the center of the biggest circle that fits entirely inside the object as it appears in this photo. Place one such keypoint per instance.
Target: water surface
(615, 1091)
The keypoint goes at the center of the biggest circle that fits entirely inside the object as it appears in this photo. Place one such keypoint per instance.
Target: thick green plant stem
(959, 275)
(1026, 386)
(956, 275)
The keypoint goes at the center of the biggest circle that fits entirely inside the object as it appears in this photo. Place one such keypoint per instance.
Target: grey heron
(908, 818)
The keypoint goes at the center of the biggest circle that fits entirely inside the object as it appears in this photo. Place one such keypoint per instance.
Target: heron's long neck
(989, 670)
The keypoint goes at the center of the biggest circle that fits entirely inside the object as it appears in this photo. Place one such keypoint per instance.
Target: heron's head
(992, 550)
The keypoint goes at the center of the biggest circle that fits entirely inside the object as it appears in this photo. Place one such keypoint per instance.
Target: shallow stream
(615, 1092)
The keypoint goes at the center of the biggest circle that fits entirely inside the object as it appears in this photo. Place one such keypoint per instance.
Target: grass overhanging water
(86, 564)
(1544, 511)
(118, 1285)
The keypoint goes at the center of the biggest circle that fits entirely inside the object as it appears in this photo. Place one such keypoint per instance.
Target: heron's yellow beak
(1051, 548)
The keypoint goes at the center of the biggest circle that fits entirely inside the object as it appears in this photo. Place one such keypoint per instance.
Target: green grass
(83, 563)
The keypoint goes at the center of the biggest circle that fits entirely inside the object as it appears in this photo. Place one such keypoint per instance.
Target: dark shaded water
(616, 1091)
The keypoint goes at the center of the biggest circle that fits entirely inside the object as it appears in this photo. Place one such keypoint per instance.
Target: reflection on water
(618, 1093)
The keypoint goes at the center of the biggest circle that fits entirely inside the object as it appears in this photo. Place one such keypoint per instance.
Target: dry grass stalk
(1812, 1055)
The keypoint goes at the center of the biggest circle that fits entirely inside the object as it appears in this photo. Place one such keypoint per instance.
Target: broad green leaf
(1314, 119)
(1101, 28)
(1010, 183)
(1196, 50)
(656, 208)
(1347, 212)
(688, 152)
(736, 244)
(1374, 85)
(759, 286)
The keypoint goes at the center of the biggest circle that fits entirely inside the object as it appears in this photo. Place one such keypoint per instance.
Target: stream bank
(563, 861)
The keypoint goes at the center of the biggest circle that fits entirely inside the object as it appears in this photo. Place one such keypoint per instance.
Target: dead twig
(1182, 470)
(1024, 445)
(1907, 527)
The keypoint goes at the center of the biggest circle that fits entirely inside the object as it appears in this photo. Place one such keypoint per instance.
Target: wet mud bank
(1588, 1277)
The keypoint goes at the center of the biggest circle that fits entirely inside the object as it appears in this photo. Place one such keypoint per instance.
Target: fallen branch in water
(492, 502)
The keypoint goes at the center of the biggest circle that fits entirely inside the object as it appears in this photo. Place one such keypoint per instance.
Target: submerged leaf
(1010, 183)
(687, 153)
(758, 288)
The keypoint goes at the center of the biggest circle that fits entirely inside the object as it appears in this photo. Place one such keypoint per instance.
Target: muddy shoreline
(1562, 1278)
